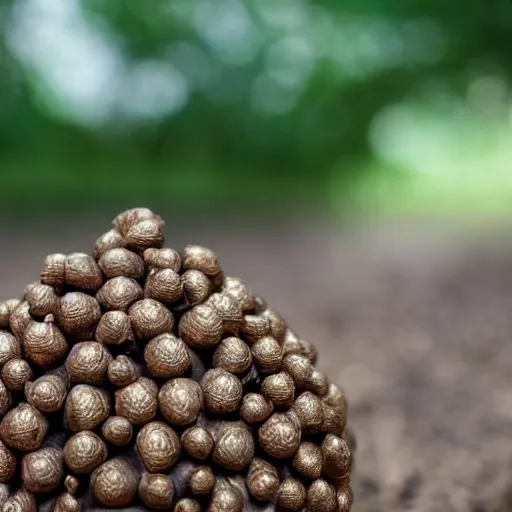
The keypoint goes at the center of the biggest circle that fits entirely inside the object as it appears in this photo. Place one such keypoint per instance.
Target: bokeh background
(351, 160)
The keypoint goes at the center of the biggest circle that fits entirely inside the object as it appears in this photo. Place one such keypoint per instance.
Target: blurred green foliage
(222, 104)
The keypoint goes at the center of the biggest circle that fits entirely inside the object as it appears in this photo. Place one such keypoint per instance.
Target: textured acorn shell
(87, 363)
(114, 328)
(180, 401)
(121, 262)
(7, 463)
(47, 393)
(84, 452)
(86, 407)
(167, 356)
(44, 344)
(42, 470)
(158, 446)
(234, 446)
(115, 483)
(138, 402)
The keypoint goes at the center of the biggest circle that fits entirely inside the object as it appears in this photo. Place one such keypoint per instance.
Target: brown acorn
(277, 324)
(234, 446)
(292, 494)
(149, 318)
(321, 497)
(6, 309)
(66, 503)
(222, 391)
(333, 420)
(255, 408)
(167, 356)
(84, 452)
(267, 354)
(299, 368)
(10, 348)
(158, 446)
(318, 383)
(237, 289)
(109, 240)
(200, 258)
(201, 480)
(138, 402)
(119, 293)
(180, 401)
(145, 234)
(44, 344)
(310, 412)
(23, 428)
(187, 505)
(129, 218)
(336, 456)
(163, 285)
(201, 327)
(42, 471)
(79, 315)
(196, 286)
(156, 491)
(114, 328)
(20, 501)
(82, 272)
(86, 407)
(87, 363)
(226, 497)
(122, 371)
(117, 430)
(232, 355)
(121, 262)
(162, 258)
(197, 442)
(7, 463)
(114, 483)
(71, 484)
(279, 388)
(54, 268)
(16, 373)
(344, 498)
(20, 319)
(262, 480)
(47, 393)
(255, 327)
(42, 299)
(308, 460)
(280, 436)
(294, 345)
(229, 310)
(5, 399)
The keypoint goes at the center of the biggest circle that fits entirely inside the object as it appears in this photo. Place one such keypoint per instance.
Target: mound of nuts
(140, 376)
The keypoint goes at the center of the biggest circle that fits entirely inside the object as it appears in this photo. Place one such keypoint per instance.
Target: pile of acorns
(143, 376)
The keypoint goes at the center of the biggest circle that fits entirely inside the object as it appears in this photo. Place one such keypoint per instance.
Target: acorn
(336, 456)
(87, 363)
(10, 348)
(255, 408)
(114, 483)
(321, 497)
(164, 285)
(278, 326)
(180, 401)
(308, 408)
(239, 291)
(294, 345)
(197, 442)
(196, 286)
(229, 310)
(16, 373)
(122, 371)
(6, 309)
(129, 218)
(119, 293)
(82, 272)
(110, 240)
(114, 328)
(156, 491)
(23, 428)
(267, 354)
(167, 356)
(280, 436)
(201, 327)
(308, 460)
(232, 355)
(200, 258)
(201, 480)
(226, 497)
(20, 319)
(291, 495)
(84, 452)
(42, 471)
(66, 503)
(255, 327)
(299, 368)
(71, 484)
(344, 498)
(47, 393)
(318, 383)
(117, 430)
(187, 505)
(262, 480)
(279, 388)
(145, 234)
(234, 446)
(149, 318)
(222, 391)
(7, 463)
(79, 315)
(162, 258)
(42, 299)
(44, 344)
(121, 262)
(138, 402)
(20, 501)
(86, 407)
(5, 399)
(54, 268)
(158, 446)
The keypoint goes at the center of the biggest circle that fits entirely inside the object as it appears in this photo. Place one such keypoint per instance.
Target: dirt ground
(413, 321)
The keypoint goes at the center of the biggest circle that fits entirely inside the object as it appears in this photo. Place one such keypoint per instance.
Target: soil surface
(413, 321)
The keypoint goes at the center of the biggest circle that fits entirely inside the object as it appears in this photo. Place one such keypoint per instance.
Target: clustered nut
(140, 374)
